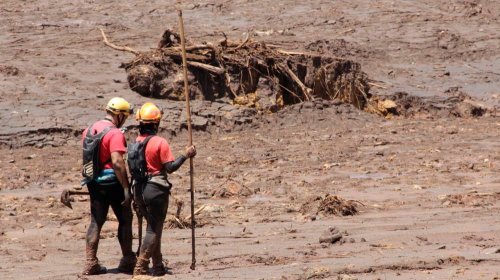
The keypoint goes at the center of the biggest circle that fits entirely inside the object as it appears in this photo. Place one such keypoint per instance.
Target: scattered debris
(474, 199)
(330, 205)
(317, 273)
(8, 70)
(232, 188)
(493, 250)
(331, 236)
(346, 277)
(249, 72)
(176, 221)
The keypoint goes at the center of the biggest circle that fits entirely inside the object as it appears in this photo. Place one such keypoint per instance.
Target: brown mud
(424, 167)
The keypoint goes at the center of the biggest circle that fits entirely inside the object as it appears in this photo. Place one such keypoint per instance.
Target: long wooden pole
(190, 132)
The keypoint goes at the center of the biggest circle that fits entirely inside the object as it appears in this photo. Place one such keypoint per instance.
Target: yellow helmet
(149, 113)
(118, 105)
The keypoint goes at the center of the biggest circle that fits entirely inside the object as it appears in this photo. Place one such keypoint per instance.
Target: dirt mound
(231, 189)
(448, 40)
(330, 205)
(337, 47)
(456, 104)
(474, 199)
(269, 77)
(8, 70)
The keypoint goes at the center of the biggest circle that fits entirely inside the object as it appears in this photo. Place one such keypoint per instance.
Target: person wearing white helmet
(105, 175)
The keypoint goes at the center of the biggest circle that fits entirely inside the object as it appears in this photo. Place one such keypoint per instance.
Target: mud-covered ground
(426, 187)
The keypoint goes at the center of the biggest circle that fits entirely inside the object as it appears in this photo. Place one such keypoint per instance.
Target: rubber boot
(92, 266)
(158, 265)
(159, 269)
(127, 263)
(142, 266)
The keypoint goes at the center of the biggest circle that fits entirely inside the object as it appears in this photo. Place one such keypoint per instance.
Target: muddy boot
(127, 264)
(92, 266)
(158, 266)
(142, 266)
(159, 270)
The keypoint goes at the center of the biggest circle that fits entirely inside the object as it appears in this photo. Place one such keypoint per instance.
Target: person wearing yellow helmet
(150, 160)
(105, 175)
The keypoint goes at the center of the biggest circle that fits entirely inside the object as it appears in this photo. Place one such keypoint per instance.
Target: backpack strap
(103, 132)
(145, 143)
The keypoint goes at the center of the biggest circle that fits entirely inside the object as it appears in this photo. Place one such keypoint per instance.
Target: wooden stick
(243, 43)
(228, 81)
(307, 54)
(307, 91)
(113, 46)
(377, 85)
(196, 212)
(179, 222)
(188, 114)
(293, 53)
(212, 69)
(193, 48)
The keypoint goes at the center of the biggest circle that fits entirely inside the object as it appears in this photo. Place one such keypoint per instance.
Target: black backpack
(91, 146)
(136, 160)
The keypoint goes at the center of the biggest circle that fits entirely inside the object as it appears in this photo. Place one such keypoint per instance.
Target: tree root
(231, 69)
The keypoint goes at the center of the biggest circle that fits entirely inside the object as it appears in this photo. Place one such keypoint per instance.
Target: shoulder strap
(145, 144)
(89, 130)
(106, 130)
(102, 133)
(147, 140)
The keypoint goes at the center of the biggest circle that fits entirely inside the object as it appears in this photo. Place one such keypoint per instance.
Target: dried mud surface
(425, 185)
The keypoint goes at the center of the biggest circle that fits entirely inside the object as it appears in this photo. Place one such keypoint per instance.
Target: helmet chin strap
(121, 120)
(117, 120)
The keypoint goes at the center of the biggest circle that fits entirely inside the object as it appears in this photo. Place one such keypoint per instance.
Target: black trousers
(155, 205)
(101, 198)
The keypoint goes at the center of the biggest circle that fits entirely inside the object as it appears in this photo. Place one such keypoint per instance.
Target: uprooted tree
(249, 73)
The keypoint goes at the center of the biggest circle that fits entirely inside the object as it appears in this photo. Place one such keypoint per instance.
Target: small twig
(113, 46)
(357, 201)
(179, 222)
(377, 85)
(228, 81)
(223, 42)
(293, 53)
(43, 25)
(195, 212)
(222, 236)
(244, 42)
(308, 54)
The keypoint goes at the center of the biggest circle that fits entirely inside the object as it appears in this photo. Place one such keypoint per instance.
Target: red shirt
(157, 153)
(113, 141)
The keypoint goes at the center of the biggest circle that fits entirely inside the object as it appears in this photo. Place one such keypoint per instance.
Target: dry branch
(207, 67)
(243, 43)
(305, 90)
(113, 46)
(195, 212)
